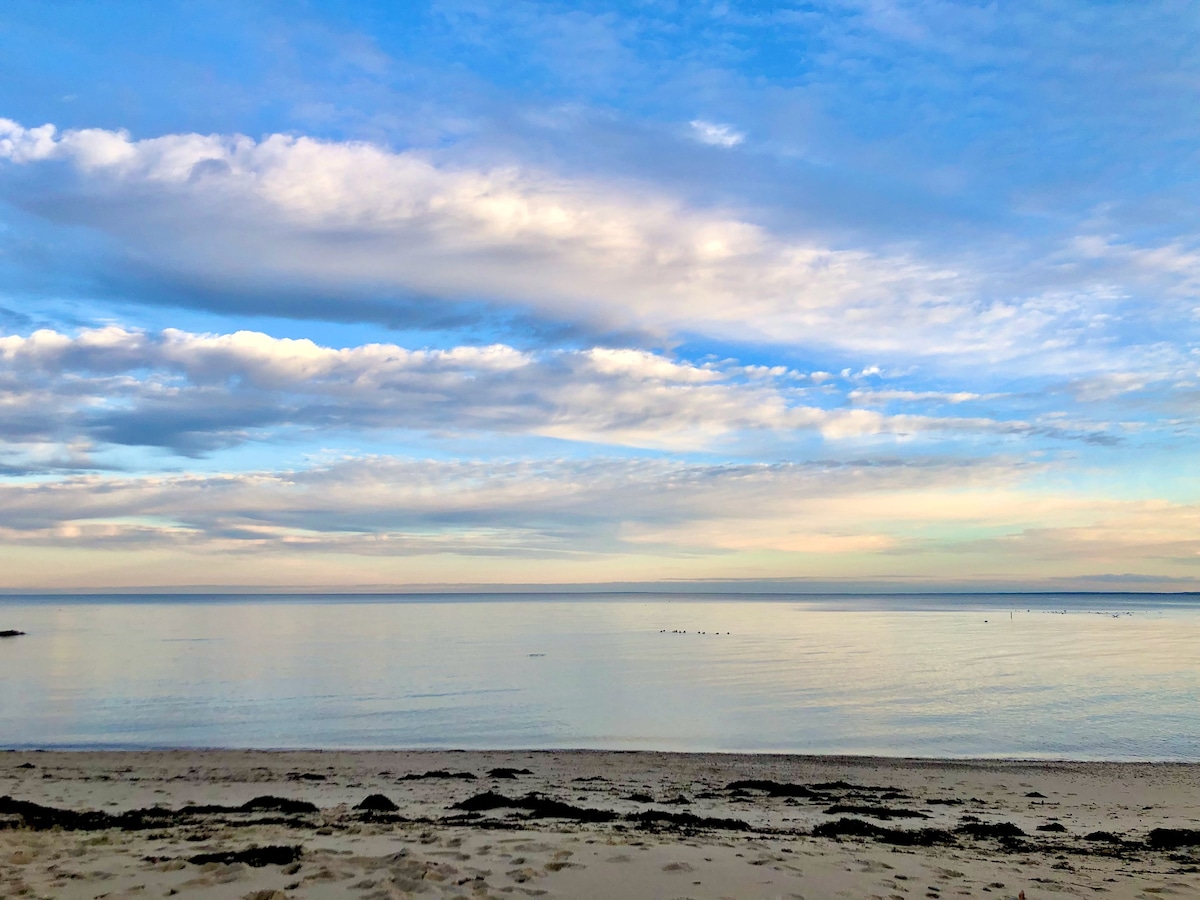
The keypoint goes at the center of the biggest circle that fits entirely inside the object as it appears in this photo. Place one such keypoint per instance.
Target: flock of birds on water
(679, 631)
(1053, 612)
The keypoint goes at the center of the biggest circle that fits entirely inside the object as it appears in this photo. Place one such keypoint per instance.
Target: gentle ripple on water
(1067, 676)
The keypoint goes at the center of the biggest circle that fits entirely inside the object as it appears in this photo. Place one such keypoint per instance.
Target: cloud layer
(400, 234)
(194, 393)
(592, 520)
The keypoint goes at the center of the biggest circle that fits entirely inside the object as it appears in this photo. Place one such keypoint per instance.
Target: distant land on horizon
(750, 588)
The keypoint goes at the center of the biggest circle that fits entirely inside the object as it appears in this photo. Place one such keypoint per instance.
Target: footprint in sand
(521, 875)
(872, 866)
(452, 854)
(678, 867)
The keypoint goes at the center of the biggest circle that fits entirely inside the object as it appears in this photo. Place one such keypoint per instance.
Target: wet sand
(271, 825)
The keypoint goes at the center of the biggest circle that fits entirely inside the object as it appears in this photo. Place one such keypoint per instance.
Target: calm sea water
(1071, 676)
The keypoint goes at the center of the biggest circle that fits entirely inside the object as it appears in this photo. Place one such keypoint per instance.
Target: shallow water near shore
(1061, 676)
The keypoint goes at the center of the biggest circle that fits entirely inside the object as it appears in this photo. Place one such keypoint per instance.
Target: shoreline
(849, 757)
(591, 823)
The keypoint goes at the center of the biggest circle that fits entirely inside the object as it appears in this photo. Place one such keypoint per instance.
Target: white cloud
(889, 395)
(929, 519)
(199, 392)
(379, 505)
(715, 133)
(1101, 388)
(27, 144)
(287, 216)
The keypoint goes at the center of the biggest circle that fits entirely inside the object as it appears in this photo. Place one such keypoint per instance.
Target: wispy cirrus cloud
(881, 396)
(715, 133)
(382, 519)
(593, 505)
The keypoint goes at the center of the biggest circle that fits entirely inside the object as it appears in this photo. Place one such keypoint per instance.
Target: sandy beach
(374, 825)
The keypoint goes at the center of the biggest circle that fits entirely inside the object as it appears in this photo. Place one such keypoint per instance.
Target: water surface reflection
(1094, 677)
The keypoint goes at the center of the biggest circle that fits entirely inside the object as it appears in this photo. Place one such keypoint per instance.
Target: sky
(858, 294)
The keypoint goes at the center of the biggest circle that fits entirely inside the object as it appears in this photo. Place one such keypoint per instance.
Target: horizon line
(500, 591)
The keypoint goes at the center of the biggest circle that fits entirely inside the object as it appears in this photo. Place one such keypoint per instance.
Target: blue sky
(331, 295)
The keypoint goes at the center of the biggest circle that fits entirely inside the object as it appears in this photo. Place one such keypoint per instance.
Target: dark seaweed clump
(538, 806)
(376, 803)
(277, 804)
(1006, 832)
(860, 788)
(919, 837)
(256, 857)
(44, 818)
(775, 788)
(1173, 838)
(875, 812)
(996, 830)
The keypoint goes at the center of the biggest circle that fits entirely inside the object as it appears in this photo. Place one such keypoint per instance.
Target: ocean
(1070, 676)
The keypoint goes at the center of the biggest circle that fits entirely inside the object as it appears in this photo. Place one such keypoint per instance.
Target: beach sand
(624, 825)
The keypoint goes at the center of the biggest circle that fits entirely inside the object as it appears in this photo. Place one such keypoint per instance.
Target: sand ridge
(589, 824)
